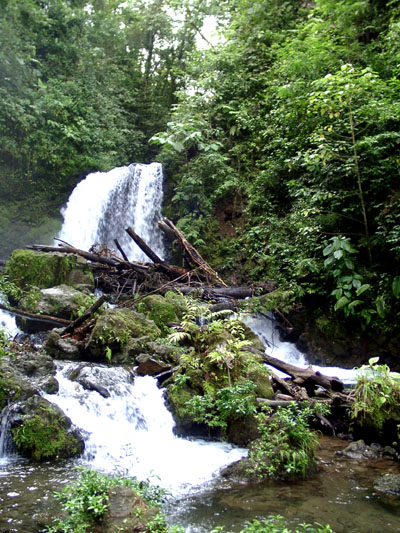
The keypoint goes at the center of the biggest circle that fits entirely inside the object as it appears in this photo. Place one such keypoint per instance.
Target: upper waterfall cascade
(104, 204)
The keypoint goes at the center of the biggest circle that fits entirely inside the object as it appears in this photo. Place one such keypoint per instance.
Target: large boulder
(41, 431)
(115, 328)
(61, 301)
(26, 268)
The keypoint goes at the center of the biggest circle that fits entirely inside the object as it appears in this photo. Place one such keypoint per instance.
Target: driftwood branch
(121, 251)
(87, 314)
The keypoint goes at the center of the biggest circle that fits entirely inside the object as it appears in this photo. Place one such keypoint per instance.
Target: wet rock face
(148, 366)
(62, 348)
(24, 374)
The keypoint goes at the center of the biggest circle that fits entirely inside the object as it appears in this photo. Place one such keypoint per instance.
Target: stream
(130, 432)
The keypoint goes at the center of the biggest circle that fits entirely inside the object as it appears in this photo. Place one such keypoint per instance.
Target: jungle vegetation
(283, 138)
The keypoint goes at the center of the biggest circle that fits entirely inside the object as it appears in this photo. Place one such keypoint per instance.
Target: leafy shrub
(229, 404)
(86, 501)
(376, 396)
(287, 444)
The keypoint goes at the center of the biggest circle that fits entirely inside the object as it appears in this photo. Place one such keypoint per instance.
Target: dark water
(341, 494)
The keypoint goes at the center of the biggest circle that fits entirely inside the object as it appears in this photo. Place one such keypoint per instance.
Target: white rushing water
(265, 329)
(104, 204)
(131, 432)
(7, 321)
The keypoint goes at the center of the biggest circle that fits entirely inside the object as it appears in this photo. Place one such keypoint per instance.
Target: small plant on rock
(376, 396)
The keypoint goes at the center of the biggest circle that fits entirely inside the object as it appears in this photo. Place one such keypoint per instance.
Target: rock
(61, 301)
(62, 348)
(238, 472)
(359, 450)
(27, 268)
(87, 384)
(41, 431)
(115, 328)
(24, 374)
(388, 483)
(148, 366)
(126, 512)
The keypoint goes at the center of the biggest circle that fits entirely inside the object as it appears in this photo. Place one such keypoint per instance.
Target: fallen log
(190, 253)
(305, 377)
(43, 318)
(207, 292)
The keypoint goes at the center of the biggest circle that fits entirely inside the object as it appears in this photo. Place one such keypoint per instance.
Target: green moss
(31, 300)
(158, 309)
(27, 268)
(115, 327)
(45, 436)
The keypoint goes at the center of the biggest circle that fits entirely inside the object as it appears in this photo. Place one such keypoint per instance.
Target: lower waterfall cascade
(131, 432)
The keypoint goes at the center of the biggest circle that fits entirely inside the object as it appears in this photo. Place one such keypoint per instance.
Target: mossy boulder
(23, 374)
(114, 329)
(159, 309)
(42, 432)
(27, 268)
(61, 301)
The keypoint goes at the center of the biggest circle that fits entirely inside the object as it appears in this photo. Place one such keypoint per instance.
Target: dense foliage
(289, 139)
(83, 85)
(283, 139)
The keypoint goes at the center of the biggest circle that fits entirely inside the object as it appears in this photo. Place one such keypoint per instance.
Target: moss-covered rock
(114, 329)
(23, 374)
(159, 309)
(61, 301)
(126, 511)
(41, 431)
(27, 268)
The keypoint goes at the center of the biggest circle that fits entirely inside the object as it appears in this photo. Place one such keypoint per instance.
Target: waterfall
(105, 203)
(131, 431)
(264, 327)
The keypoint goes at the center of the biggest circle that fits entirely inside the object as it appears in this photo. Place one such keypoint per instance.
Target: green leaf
(373, 360)
(396, 286)
(341, 303)
(354, 303)
(362, 289)
(380, 306)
